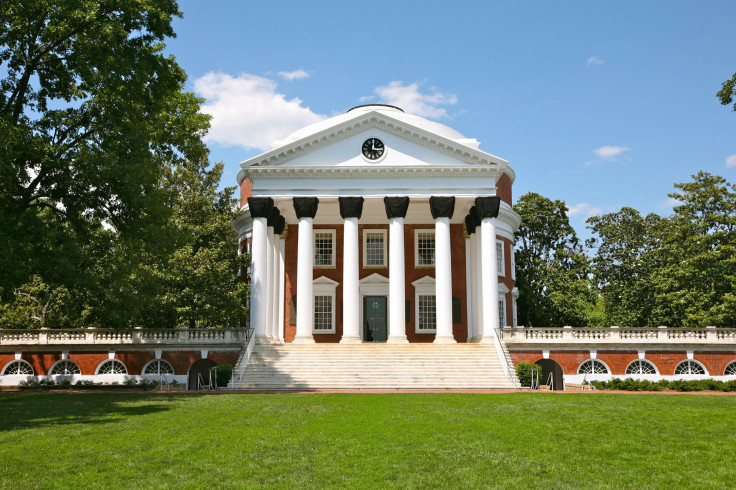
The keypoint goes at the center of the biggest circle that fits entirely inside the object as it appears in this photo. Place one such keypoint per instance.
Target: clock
(373, 148)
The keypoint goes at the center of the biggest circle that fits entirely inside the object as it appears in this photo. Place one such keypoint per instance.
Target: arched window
(111, 366)
(65, 367)
(641, 366)
(593, 366)
(158, 366)
(730, 369)
(18, 367)
(690, 366)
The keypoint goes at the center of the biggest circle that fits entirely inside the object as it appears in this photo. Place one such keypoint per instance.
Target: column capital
(305, 207)
(470, 224)
(351, 207)
(260, 207)
(442, 206)
(487, 207)
(396, 207)
(273, 216)
(279, 224)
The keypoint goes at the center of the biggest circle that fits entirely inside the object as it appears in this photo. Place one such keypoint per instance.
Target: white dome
(390, 111)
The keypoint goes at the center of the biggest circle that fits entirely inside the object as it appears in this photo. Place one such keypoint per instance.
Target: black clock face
(373, 148)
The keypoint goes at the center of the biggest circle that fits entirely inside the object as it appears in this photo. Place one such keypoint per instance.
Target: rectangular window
(426, 313)
(501, 313)
(374, 248)
(424, 248)
(323, 313)
(324, 248)
(499, 259)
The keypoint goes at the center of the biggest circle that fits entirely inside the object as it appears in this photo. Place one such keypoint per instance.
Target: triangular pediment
(374, 280)
(337, 143)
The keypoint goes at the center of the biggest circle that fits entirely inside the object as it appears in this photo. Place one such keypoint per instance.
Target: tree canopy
(110, 213)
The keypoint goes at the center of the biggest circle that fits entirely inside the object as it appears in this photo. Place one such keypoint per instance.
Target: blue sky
(599, 104)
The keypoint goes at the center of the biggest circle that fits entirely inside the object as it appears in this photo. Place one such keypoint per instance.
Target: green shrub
(525, 371)
(630, 384)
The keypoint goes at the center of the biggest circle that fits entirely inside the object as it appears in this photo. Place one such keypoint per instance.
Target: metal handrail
(244, 357)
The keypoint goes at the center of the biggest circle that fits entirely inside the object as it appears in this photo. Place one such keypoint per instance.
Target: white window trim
(502, 309)
(323, 286)
(646, 361)
(17, 361)
(53, 366)
(594, 360)
(314, 247)
(513, 261)
(501, 257)
(424, 286)
(693, 361)
(365, 248)
(417, 231)
(514, 297)
(111, 361)
(160, 361)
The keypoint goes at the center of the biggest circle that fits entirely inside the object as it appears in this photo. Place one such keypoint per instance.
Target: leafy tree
(91, 113)
(695, 284)
(551, 265)
(727, 91)
(624, 263)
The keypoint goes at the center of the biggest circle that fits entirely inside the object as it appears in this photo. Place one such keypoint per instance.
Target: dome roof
(390, 111)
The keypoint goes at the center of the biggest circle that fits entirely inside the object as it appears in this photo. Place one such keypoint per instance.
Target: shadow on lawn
(48, 410)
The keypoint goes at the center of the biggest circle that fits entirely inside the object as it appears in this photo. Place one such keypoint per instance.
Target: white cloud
(247, 111)
(584, 209)
(610, 152)
(669, 203)
(293, 75)
(731, 161)
(411, 100)
(595, 60)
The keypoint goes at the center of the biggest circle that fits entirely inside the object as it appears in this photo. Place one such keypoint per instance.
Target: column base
(350, 340)
(487, 339)
(262, 339)
(444, 339)
(307, 339)
(397, 339)
(474, 340)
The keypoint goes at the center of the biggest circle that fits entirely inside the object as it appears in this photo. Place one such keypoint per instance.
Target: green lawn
(521, 440)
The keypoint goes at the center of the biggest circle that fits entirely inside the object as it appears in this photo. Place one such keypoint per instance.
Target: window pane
(322, 248)
(323, 312)
(501, 316)
(499, 258)
(427, 313)
(425, 248)
(374, 249)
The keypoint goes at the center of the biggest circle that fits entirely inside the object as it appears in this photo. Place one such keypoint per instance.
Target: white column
(275, 276)
(258, 281)
(282, 298)
(469, 285)
(396, 284)
(350, 284)
(304, 273)
(269, 283)
(443, 281)
(477, 286)
(489, 268)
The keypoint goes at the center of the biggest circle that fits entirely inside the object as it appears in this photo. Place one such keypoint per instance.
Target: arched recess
(200, 367)
(553, 368)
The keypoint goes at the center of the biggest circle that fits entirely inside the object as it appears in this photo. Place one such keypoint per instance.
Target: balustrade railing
(616, 335)
(127, 336)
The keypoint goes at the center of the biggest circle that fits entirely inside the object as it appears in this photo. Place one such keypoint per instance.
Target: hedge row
(676, 385)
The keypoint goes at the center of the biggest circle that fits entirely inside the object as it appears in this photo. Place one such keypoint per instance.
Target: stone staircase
(372, 366)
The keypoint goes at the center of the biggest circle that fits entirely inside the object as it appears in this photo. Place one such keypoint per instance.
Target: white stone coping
(136, 336)
(569, 336)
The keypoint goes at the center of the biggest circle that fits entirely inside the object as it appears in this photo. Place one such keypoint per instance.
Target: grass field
(521, 440)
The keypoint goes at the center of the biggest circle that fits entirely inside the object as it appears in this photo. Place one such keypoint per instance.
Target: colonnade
(267, 260)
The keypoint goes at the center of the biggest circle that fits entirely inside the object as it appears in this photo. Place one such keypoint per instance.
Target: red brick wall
(135, 361)
(88, 361)
(4, 359)
(41, 361)
(246, 190)
(617, 361)
(224, 357)
(503, 189)
(525, 356)
(715, 362)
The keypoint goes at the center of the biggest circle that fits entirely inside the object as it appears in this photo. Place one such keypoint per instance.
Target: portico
(425, 223)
